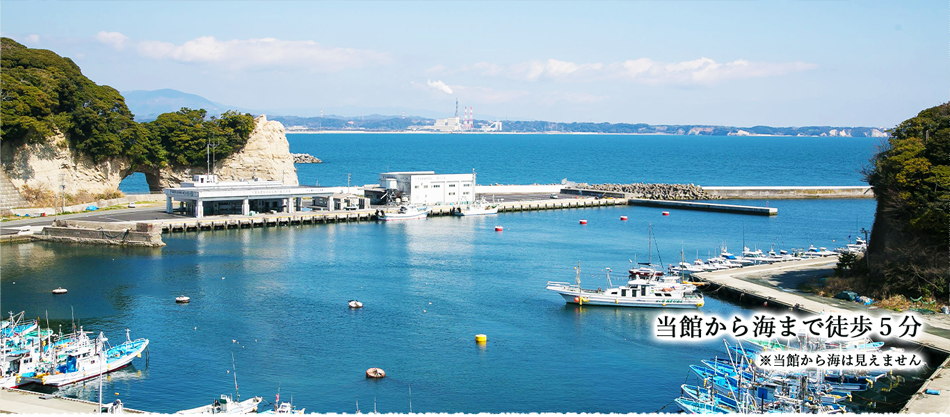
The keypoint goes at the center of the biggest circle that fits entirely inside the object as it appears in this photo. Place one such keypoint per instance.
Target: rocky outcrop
(48, 164)
(654, 191)
(266, 156)
(303, 158)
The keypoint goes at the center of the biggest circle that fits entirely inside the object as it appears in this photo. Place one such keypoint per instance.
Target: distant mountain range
(147, 105)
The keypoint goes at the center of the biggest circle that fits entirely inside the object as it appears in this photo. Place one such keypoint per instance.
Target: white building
(208, 197)
(424, 187)
(452, 124)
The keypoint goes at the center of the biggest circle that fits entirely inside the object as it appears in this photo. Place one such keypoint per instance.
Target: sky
(735, 63)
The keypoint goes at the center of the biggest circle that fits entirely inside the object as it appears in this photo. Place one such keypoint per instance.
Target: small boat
(355, 304)
(182, 299)
(404, 212)
(86, 359)
(375, 373)
(696, 407)
(226, 406)
(284, 408)
(480, 207)
(59, 290)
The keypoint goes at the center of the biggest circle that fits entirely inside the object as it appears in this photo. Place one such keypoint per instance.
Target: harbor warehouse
(206, 196)
(424, 188)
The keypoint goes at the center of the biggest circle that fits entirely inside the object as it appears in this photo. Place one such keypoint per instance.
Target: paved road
(155, 212)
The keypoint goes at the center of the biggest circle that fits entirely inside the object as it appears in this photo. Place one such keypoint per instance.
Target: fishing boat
(86, 359)
(637, 292)
(225, 405)
(60, 290)
(284, 409)
(404, 212)
(182, 299)
(355, 304)
(696, 407)
(480, 207)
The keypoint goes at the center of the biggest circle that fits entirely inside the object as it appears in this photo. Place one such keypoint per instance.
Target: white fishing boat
(225, 405)
(404, 212)
(480, 207)
(284, 408)
(636, 292)
(86, 359)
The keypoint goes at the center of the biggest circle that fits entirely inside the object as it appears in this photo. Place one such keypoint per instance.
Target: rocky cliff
(45, 164)
(266, 155)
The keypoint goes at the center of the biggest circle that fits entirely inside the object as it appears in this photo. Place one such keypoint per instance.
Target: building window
(425, 186)
(466, 185)
(436, 186)
(451, 193)
(417, 187)
(452, 185)
(465, 193)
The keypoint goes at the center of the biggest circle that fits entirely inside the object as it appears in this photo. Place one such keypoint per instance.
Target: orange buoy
(375, 373)
(583, 221)
(499, 228)
(623, 217)
(666, 213)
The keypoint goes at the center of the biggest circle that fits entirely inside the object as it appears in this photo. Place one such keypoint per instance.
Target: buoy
(499, 228)
(623, 217)
(666, 213)
(59, 290)
(480, 338)
(375, 373)
(182, 299)
(583, 221)
(355, 304)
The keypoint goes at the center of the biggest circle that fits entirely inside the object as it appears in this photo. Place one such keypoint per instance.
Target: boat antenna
(72, 314)
(577, 275)
(657, 244)
(236, 391)
(410, 399)
(357, 404)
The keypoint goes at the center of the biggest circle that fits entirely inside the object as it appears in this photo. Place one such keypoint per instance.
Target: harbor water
(276, 298)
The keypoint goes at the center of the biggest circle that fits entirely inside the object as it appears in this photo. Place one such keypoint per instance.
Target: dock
(17, 401)
(931, 339)
(689, 205)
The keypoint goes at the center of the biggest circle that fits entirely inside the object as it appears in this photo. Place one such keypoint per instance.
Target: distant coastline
(429, 132)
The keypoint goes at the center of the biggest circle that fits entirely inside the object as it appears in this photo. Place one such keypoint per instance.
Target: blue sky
(741, 63)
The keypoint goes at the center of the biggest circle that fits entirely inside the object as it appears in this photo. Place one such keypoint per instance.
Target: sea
(269, 312)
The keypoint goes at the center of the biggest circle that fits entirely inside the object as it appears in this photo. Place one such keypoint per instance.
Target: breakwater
(650, 191)
(304, 158)
(776, 193)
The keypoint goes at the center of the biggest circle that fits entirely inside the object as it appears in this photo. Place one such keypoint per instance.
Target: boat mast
(234, 371)
(577, 275)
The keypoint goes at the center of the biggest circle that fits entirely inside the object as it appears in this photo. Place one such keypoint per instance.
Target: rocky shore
(302, 158)
(654, 191)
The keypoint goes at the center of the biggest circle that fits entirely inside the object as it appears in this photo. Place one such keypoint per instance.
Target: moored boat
(480, 207)
(404, 212)
(636, 292)
(225, 405)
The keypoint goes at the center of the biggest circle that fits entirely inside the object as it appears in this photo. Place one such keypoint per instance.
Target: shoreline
(399, 132)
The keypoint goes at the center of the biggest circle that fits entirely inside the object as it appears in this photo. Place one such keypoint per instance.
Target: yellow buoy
(480, 338)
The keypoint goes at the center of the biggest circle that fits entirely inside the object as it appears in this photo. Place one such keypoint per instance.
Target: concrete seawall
(102, 233)
(775, 193)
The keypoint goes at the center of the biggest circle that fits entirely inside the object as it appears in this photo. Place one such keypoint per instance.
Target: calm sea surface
(276, 298)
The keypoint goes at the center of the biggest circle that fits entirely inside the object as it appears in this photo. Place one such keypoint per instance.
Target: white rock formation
(266, 156)
(48, 163)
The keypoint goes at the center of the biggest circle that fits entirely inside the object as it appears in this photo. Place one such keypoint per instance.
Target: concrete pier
(16, 401)
(688, 205)
(776, 193)
(932, 339)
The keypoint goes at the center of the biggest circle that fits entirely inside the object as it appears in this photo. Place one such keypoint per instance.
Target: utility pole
(62, 181)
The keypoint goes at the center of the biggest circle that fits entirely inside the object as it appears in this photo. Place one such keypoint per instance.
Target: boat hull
(477, 212)
(600, 299)
(398, 217)
(112, 363)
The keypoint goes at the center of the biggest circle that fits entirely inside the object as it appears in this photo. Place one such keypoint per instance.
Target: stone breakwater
(653, 191)
(302, 158)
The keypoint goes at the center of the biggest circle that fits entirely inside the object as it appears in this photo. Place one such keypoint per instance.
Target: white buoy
(355, 304)
(181, 299)
(59, 290)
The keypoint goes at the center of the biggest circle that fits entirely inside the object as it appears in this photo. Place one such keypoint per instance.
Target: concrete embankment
(736, 285)
(16, 401)
(775, 193)
(102, 233)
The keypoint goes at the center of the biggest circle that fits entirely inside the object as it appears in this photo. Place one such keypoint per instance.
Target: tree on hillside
(910, 175)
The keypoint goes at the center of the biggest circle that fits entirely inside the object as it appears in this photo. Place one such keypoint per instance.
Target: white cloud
(113, 39)
(488, 95)
(642, 70)
(34, 38)
(575, 98)
(250, 53)
(439, 86)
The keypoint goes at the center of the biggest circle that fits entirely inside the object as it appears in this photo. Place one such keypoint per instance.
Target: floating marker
(666, 213)
(481, 338)
(499, 228)
(624, 218)
(583, 221)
